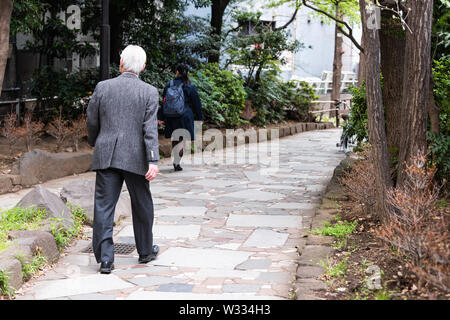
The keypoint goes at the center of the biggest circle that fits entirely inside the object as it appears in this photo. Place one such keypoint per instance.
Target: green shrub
(269, 100)
(222, 95)
(60, 89)
(299, 97)
(276, 100)
(441, 90)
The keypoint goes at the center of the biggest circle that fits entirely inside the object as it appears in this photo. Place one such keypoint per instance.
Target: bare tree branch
(297, 6)
(348, 34)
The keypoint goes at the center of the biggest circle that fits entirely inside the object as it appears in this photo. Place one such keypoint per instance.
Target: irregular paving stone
(202, 258)
(252, 264)
(79, 285)
(182, 211)
(94, 296)
(240, 288)
(275, 277)
(309, 271)
(149, 281)
(174, 287)
(294, 205)
(263, 238)
(264, 221)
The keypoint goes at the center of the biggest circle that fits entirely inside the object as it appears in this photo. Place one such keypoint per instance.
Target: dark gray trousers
(108, 186)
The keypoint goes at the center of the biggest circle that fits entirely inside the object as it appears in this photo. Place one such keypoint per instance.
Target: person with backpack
(181, 106)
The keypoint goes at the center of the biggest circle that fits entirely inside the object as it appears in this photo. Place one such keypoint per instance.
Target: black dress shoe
(149, 257)
(106, 267)
(177, 167)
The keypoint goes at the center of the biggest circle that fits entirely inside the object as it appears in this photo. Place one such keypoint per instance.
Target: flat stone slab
(250, 194)
(205, 273)
(176, 287)
(166, 231)
(263, 238)
(79, 285)
(149, 281)
(202, 258)
(240, 288)
(215, 183)
(275, 277)
(294, 205)
(181, 211)
(274, 221)
(254, 264)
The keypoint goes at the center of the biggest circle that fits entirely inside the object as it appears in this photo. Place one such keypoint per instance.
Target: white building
(314, 63)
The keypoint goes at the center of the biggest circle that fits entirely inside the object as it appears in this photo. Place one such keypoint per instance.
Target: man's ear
(143, 67)
(121, 65)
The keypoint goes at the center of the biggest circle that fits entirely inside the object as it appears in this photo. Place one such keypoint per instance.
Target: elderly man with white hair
(122, 127)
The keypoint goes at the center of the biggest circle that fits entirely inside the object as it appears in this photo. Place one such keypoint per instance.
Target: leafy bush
(59, 89)
(269, 99)
(277, 101)
(222, 95)
(299, 96)
(439, 145)
(441, 90)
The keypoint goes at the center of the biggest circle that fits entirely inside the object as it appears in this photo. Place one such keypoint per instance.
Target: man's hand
(152, 172)
(160, 122)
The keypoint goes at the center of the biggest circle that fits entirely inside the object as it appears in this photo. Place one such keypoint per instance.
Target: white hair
(133, 58)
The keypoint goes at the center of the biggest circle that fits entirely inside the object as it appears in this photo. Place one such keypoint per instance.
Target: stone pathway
(224, 231)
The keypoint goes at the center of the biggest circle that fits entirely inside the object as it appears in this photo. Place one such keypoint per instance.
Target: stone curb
(165, 149)
(317, 247)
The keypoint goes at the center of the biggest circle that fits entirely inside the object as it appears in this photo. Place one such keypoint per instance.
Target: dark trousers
(108, 186)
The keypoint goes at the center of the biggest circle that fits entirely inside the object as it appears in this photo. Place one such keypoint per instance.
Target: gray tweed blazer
(122, 124)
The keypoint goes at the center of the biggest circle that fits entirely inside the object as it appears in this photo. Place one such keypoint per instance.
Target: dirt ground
(364, 249)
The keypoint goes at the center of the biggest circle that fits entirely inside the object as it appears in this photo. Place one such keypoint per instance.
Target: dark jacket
(193, 111)
(122, 124)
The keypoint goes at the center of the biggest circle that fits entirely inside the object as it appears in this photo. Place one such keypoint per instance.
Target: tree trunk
(337, 66)
(217, 11)
(392, 46)
(416, 89)
(6, 7)
(376, 124)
